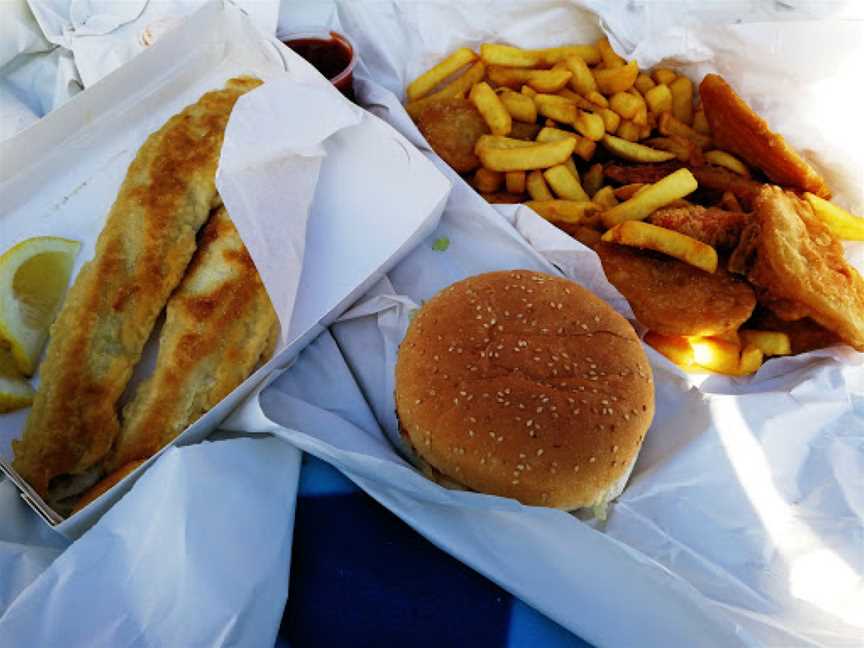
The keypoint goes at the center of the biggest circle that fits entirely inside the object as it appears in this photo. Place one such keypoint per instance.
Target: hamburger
(524, 385)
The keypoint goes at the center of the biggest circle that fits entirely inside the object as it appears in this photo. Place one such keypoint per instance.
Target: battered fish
(219, 326)
(452, 128)
(793, 258)
(141, 254)
(735, 127)
(674, 298)
(715, 227)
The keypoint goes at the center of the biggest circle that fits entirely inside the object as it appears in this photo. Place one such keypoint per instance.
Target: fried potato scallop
(674, 298)
(452, 128)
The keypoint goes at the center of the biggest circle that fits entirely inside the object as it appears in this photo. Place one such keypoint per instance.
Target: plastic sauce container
(329, 52)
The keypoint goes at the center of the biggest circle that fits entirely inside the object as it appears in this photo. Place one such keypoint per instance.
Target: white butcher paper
(748, 495)
(172, 563)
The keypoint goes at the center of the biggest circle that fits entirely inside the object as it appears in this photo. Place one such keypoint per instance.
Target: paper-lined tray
(739, 512)
(60, 177)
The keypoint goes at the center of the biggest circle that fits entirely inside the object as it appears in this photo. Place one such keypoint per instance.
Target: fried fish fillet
(715, 227)
(799, 266)
(735, 127)
(141, 254)
(674, 298)
(219, 326)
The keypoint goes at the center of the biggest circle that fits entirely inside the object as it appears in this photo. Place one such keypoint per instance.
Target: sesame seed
(539, 451)
(515, 481)
(592, 460)
(455, 401)
(576, 468)
(529, 423)
(417, 402)
(500, 439)
(615, 448)
(522, 455)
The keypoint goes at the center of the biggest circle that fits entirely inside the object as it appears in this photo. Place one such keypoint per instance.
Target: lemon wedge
(33, 279)
(15, 392)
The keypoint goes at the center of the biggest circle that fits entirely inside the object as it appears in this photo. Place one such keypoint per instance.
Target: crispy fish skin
(674, 298)
(735, 127)
(800, 266)
(141, 254)
(219, 326)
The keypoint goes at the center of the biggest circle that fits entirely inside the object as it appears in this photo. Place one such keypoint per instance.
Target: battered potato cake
(674, 298)
(452, 128)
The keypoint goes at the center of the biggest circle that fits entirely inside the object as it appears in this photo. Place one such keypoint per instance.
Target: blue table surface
(362, 577)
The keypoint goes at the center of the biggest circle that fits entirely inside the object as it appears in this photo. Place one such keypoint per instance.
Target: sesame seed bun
(524, 385)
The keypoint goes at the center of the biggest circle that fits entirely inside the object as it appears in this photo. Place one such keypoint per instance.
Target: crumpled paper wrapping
(184, 577)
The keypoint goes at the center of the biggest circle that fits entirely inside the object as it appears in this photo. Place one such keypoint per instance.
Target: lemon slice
(15, 392)
(33, 279)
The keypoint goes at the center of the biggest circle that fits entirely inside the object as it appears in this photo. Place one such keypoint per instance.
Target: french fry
(555, 107)
(750, 361)
(625, 104)
(457, 88)
(486, 181)
(676, 145)
(496, 54)
(729, 202)
(770, 343)
(675, 348)
(629, 131)
(593, 179)
(589, 125)
(674, 186)
(626, 192)
(491, 108)
(582, 80)
(499, 142)
(565, 184)
(670, 125)
(549, 80)
(663, 75)
(520, 107)
(508, 77)
(610, 58)
(605, 197)
(700, 122)
(528, 91)
(524, 158)
(537, 187)
(643, 83)
(553, 55)
(634, 152)
(502, 197)
(584, 147)
(611, 120)
(610, 81)
(423, 85)
(659, 98)
(571, 166)
(651, 237)
(682, 99)
(728, 161)
(715, 354)
(841, 223)
(597, 100)
(515, 182)
(565, 211)
(641, 116)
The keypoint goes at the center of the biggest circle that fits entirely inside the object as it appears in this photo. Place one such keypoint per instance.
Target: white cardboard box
(376, 197)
